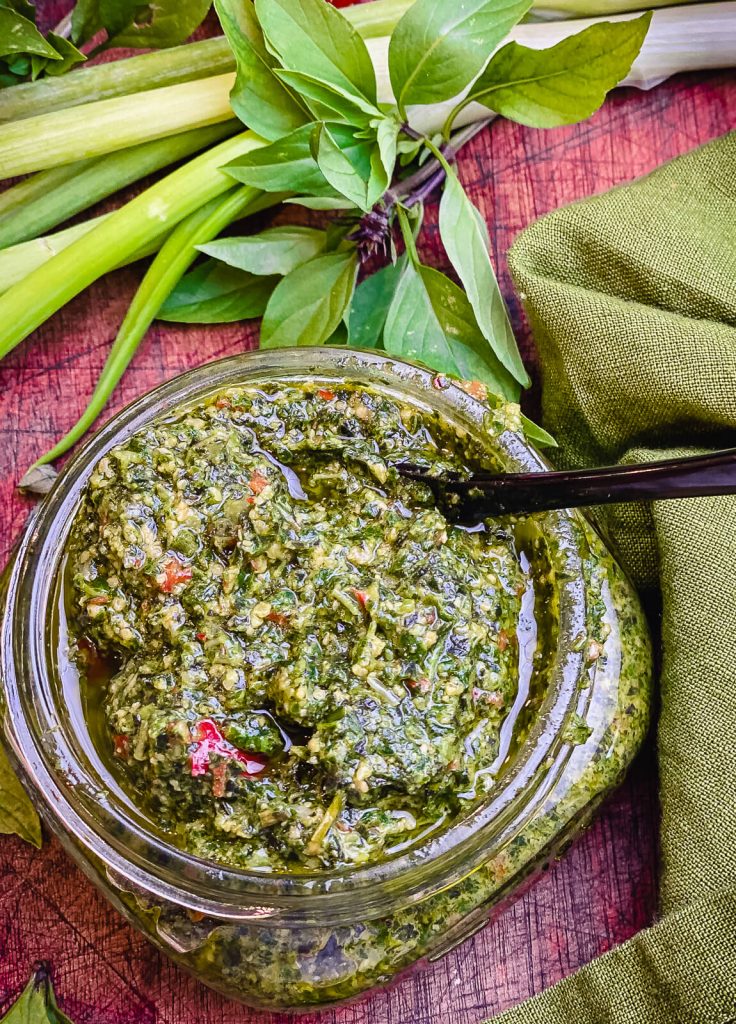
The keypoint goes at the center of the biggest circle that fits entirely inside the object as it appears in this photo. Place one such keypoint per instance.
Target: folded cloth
(631, 297)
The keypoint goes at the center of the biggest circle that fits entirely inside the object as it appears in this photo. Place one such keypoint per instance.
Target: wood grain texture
(604, 889)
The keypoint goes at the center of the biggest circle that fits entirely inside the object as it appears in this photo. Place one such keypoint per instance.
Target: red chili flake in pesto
(222, 403)
(122, 745)
(476, 389)
(258, 482)
(209, 742)
(219, 779)
(326, 395)
(95, 668)
(439, 382)
(174, 574)
(201, 637)
(101, 599)
(279, 618)
(361, 597)
(503, 640)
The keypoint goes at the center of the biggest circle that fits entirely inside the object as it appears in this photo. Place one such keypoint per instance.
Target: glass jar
(300, 941)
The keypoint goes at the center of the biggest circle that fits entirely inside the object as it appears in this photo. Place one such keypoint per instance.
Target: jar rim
(76, 798)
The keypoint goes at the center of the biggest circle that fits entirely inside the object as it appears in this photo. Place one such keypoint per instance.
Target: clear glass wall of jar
(301, 941)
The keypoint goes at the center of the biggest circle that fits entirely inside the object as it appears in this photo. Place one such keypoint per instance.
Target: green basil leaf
(329, 102)
(17, 813)
(67, 51)
(213, 293)
(19, 35)
(22, 7)
(321, 202)
(431, 321)
(465, 238)
(258, 97)
(313, 37)
(371, 303)
(37, 1002)
(158, 24)
(564, 83)
(356, 173)
(309, 303)
(274, 251)
(536, 434)
(86, 20)
(439, 47)
(287, 165)
(387, 132)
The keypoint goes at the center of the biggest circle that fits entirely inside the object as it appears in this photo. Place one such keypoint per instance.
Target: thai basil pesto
(308, 666)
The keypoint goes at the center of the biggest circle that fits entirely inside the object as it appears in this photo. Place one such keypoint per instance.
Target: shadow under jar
(302, 939)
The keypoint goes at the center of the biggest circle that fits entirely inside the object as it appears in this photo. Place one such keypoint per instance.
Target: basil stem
(36, 205)
(106, 126)
(114, 241)
(176, 256)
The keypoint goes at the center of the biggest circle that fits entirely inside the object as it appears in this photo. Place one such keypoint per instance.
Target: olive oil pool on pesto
(299, 664)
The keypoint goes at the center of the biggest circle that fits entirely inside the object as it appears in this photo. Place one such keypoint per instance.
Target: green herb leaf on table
(309, 303)
(24, 7)
(313, 37)
(69, 55)
(329, 102)
(19, 35)
(157, 24)
(259, 98)
(284, 165)
(564, 83)
(214, 293)
(321, 202)
(86, 20)
(371, 303)
(465, 238)
(356, 172)
(37, 1002)
(536, 434)
(431, 320)
(273, 251)
(17, 814)
(438, 47)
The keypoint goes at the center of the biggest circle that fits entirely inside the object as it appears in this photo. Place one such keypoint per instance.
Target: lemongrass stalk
(157, 70)
(122, 234)
(177, 254)
(598, 8)
(31, 189)
(106, 126)
(38, 204)
(118, 78)
(18, 261)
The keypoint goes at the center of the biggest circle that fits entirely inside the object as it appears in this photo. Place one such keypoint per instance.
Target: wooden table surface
(604, 890)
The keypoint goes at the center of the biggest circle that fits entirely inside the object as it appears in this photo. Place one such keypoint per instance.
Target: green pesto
(316, 965)
(307, 667)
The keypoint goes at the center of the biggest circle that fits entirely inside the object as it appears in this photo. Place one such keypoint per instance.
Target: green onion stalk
(39, 203)
(116, 239)
(177, 254)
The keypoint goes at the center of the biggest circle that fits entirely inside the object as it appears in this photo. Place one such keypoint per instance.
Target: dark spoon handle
(687, 477)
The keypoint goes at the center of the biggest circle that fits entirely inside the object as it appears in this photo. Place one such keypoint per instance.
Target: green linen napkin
(632, 301)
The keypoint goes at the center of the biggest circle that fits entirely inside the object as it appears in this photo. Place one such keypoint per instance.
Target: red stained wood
(604, 889)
